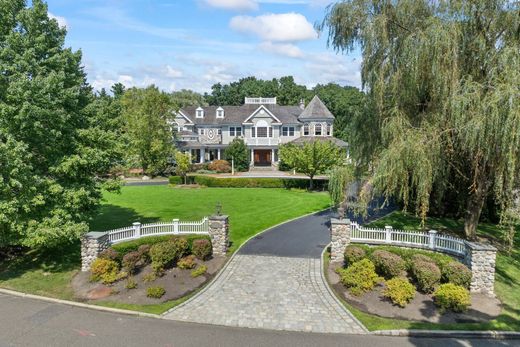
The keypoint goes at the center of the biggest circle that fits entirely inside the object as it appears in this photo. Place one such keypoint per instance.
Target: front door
(263, 157)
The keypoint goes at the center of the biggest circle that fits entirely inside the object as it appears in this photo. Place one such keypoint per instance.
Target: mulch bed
(421, 308)
(176, 282)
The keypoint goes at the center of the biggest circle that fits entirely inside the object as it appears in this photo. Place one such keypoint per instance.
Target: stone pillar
(92, 244)
(219, 233)
(481, 259)
(339, 238)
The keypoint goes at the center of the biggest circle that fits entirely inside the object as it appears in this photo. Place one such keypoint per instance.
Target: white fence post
(388, 230)
(432, 234)
(137, 228)
(175, 226)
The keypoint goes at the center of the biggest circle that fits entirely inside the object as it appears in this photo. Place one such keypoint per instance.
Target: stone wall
(92, 244)
(219, 233)
(481, 259)
(339, 238)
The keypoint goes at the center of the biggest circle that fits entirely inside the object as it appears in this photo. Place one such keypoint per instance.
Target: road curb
(489, 334)
(231, 258)
(78, 304)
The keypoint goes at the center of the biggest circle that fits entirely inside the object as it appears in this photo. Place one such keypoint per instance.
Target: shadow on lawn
(113, 216)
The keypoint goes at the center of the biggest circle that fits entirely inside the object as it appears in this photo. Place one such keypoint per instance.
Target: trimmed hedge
(133, 245)
(104, 270)
(426, 275)
(457, 273)
(359, 277)
(399, 291)
(249, 182)
(175, 180)
(353, 254)
(388, 265)
(202, 249)
(452, 297)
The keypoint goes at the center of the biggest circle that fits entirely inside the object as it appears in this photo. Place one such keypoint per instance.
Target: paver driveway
(275, 282)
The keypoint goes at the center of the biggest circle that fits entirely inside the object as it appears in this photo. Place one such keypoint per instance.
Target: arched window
(306, 129)
(317, 129)
(262, 129)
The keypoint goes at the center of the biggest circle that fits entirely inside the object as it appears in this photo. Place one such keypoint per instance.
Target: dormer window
(220, 112)
(199, 113)
(317, 129)
(306, 129)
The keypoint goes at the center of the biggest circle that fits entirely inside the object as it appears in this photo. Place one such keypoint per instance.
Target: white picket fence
(176, 227)
(428, 240)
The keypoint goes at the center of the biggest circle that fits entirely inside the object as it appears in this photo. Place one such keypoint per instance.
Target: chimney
(302, 104)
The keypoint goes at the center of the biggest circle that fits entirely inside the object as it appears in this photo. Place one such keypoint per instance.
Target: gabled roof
(316, 109)
(262, 108)
(309, 139)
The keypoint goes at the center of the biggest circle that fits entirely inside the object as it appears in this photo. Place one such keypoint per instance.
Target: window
(199, 113)
(219, 131)
(329, 129)
(202, 131)
(317, 129)
(306, 130)
(288, 131)
(270, 131)
(253, 132)
(220, 112)
(235, 131)
(261, 132)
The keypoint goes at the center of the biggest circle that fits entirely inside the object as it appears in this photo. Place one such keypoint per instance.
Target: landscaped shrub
(387, 264)
(144, 251)
(163, 255)
(452, 297)
(155, 292)
(220, 166)
(418, 258)
(130, 283)
(202, 249)
(426, 275)
(360, 277)
(133, 245)
(201, 270)
(249, 182)
(110, 254)
(130, 261)
(457, 273)
(181, 245)
(187, 262)
(149, 277)
(353, 254)
(174, 180)
(104, 270)
(399, 291)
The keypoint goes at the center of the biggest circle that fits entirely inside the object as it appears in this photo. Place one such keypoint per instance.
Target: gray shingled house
(205, 132)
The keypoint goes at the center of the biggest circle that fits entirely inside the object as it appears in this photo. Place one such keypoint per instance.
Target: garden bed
(176, 282)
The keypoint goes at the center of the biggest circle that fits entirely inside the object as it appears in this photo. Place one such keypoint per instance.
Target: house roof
(309, 139)
(316, 109)
(238, 114)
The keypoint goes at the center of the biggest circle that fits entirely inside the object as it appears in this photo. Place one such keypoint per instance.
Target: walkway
(275, 282)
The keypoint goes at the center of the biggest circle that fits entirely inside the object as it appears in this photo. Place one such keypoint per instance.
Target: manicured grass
(251, 211)
(507, 283)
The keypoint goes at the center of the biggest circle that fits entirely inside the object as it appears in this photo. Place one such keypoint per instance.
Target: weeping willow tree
(444, 80)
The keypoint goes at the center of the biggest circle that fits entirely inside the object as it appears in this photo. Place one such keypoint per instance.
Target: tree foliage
(186, 97)
(146, 113)
(182, 164)
(237, 151)
(312, 158)
(339, 179)
(443, 78)
(54, 146)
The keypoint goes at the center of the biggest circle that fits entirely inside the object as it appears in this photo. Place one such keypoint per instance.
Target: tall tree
(52, 152)
(146, 113)
(237, 152)
(312, 158)
(444, 79)
(186, 97)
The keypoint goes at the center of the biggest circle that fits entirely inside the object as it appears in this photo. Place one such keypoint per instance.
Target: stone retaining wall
(480, 258)
(95, 242)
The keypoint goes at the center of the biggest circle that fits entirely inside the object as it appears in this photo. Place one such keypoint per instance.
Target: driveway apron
(275, 281)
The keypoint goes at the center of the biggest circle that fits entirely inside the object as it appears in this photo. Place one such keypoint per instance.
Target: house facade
(205, 132)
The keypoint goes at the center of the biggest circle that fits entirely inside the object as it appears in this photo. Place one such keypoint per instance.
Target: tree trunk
(311, 183)
(474, 209)
(185, 179)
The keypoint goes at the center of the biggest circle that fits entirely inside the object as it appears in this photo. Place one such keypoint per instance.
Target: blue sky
(193, 44)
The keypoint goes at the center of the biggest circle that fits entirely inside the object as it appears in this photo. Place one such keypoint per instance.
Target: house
(205, 132)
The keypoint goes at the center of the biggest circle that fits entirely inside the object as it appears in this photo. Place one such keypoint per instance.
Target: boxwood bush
(457, 273)
(426, 275)
(399, 291)
(249, 182)
(163, 255)
(452, 297)
(353, 254)
(133, 245)
(388, 265)
(155, 292)
(360, 277)
(104, 270)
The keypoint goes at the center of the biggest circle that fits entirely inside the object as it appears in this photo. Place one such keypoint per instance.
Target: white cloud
(219, 74)
(62, 22)
(285, 27)
(334, 68)
(173, 73)
(285, 49)
(236, 5)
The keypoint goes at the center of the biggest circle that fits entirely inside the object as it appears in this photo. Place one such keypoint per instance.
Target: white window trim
(199, 113)
(220, 112)
(321, 129)
(308, 129)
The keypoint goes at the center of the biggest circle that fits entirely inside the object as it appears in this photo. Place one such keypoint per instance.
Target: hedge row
(133, 245)
(249, 182)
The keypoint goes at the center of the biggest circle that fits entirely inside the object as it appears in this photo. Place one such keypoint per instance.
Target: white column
(252, 157)
(202, 155)
(218, 154)
(272, 156)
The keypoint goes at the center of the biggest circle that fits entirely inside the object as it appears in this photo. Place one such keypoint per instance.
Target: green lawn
(251, 211)
(507, 285)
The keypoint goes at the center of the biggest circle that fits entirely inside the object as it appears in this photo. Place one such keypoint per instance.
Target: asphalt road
(30, 322)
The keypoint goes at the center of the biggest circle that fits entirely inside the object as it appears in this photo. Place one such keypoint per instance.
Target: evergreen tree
(237, 151)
